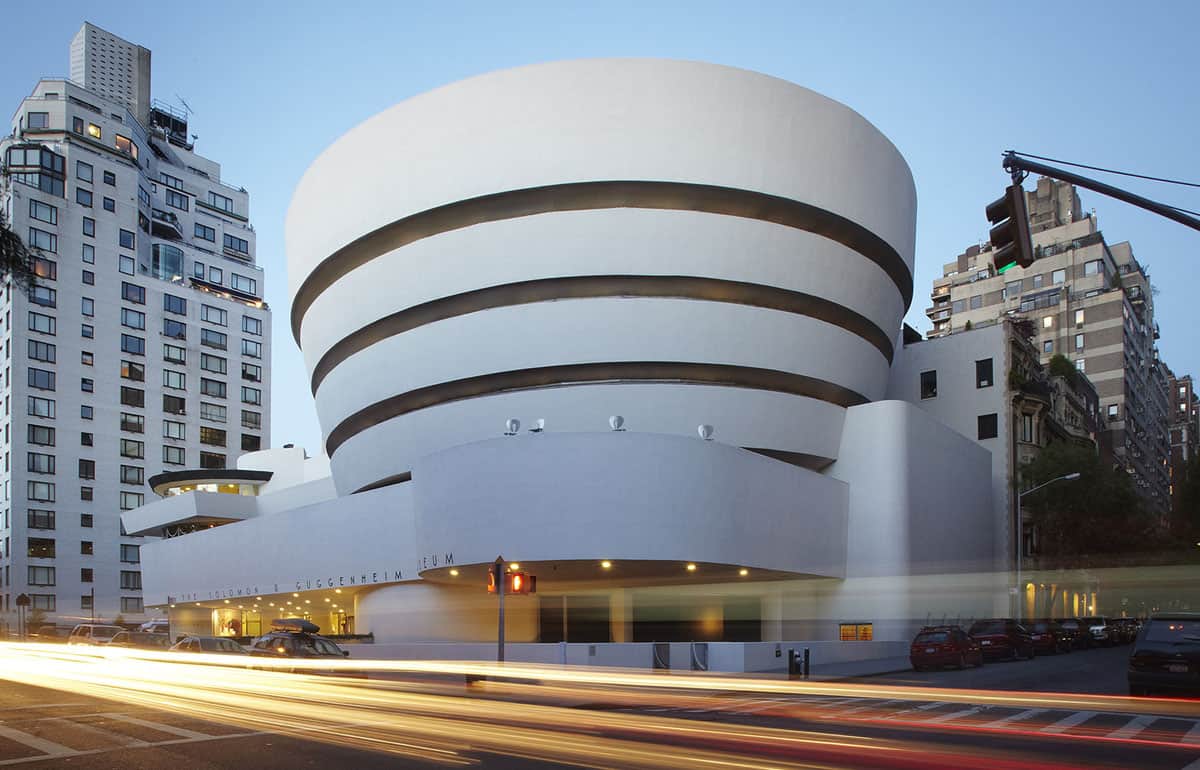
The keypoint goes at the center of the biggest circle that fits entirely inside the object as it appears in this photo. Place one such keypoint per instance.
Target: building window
(251, 396)
(42, 491)
(251, 419)
(85, 520)
(125, 145)
(251, 443)
(252, 372)
(131, 581)
(41, 407)
(44, 602)
(43, 212)
(173, 354)
(125, 265)
(83, 171)
(43, 324)
(929, 384)
(87, 306)
(198, 270)
(173, 455)
(236, 245)
(1047, 322)
(134, 319)
(85, 602)
(41, 576)
(89, 278)
(1079, 365)
(1027, 428)
(212, 460)
(1114, 412)
(977, 302)
(133, 345)
(85, 412)
(36, 462)
(983, 373)
(42, 435)
(44, 296)
(211, 363)
(83, 197)
(1079, 342)
(86, 439)
(220, 202)
(251, 325)
(212, 412)
(131, 292)
(173, 304)
(252, 349)
(42, 351)
(958, 306)
(42, 240)
(1079, 318)
(39, 518)
(174, 405)
(215, 275)
(1094, 267)
(132, 474)
(213, 339)
(126, 239)
(131, 500)
(110, 178)
(133, 423)
(87, 385)
(212, 436)
(175, 430)
(1058, 276)
(174, 379)
(133, 371)
(176, 200)
(213, 388)
(87, 469)
(205, 233)
(133, 448)
(42, 379)
(213, 315)
(87, 548)
(87, 331)
(133, 397)
(988, 426)
(132, 605)
(40, 548)
(1037, 280)
(131, 554)
(110, 204)
(88, 254)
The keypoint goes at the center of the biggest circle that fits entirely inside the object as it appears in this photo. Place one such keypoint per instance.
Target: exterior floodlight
(512, 426)
(705, 431)
(1070, 477)
(616, 421)
(539, 425)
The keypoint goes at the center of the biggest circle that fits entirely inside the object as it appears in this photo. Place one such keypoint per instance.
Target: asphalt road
(1099, 671)
(964, 721)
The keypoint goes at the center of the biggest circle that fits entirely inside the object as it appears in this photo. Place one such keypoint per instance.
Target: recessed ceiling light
(691, 568)
(743, 572)
(453, 573)
(514, 565)
(606, 564)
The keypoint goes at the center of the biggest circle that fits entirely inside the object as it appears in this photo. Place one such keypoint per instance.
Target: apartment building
(144, 345)
(1185, 433)
(1092, 303)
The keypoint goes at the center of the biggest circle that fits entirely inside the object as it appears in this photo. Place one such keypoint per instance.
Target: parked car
(93, 633)
(1100, 631)
(295, 638)
(140, 640)
(1166, 655)
(1125, 630)
(937, 646)
(156, 626)
(1081, 638)
(1049, 637)
(216, 645)
(1003, 638)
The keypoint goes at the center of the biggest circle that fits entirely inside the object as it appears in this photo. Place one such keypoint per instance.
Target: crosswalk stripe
(1192, 765)
(1019, 717)
(1067, 722)
(1192, 738)
(121, 740)
(168, 729)
(1135, 726)
(954, 715)
(32, 741)
(868, 707)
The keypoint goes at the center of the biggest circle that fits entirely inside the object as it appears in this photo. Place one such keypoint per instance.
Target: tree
(16, 259)
(1061, 366)
(1188, 517)
(1097, 514)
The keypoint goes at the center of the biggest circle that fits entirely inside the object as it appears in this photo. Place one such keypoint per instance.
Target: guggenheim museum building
(629, 324)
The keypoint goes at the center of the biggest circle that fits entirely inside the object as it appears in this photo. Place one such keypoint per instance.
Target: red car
(1049, 638)
(937, 646)
(1003, 638)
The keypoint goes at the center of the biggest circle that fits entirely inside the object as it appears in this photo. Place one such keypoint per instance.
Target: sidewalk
(851, 669)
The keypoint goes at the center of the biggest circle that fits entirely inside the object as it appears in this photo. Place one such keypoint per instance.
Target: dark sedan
(1166, 655)
(1049, 637)
(1002, 638)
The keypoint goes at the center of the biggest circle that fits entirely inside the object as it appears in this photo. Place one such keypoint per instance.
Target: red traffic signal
(514, 582)
(1010, 234)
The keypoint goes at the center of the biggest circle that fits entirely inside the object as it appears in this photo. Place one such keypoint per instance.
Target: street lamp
(1020, 531)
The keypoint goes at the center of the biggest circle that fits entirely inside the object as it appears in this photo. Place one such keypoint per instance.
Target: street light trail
(434, 722)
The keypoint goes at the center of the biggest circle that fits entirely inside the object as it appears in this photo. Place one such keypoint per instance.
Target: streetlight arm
(1067, 477)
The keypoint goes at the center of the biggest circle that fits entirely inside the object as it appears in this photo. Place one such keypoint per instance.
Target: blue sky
(952, 84)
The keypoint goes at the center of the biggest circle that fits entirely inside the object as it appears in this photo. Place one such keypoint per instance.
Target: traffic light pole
(1016, 165)
(498, 566)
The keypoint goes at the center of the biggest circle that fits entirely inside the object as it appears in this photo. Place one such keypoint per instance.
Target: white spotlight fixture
(705, 431)
(539, 425)
(615, 422)
(512, 426)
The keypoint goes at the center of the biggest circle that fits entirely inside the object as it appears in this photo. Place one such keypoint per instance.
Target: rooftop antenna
(187, 108)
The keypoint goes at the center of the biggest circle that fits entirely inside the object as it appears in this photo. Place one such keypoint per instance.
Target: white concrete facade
(635, 252)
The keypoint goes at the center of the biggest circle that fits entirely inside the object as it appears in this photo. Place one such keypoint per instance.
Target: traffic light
(1010, 231)
(514, 582)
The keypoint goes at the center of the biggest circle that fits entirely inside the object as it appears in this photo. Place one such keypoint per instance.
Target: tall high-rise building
(1185, 435)
(144, 345)
(1090, 302)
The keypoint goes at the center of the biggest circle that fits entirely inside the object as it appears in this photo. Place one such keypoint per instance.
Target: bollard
(806, 663)
(793, 667)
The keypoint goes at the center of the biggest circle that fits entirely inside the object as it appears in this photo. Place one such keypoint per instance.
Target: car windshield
(1174, 631)
(988, 627)
(931, 637)
(318, 646)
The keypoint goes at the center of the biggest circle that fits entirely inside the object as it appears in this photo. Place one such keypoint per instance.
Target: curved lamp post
(1020, 530)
